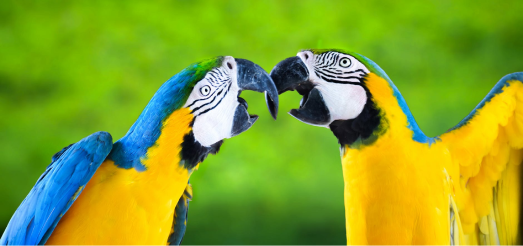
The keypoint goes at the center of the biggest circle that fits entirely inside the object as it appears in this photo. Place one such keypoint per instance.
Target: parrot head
(214, 100)
(333, 84)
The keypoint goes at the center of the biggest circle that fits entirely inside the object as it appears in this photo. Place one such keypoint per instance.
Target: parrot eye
(205, 90)
(345, 62)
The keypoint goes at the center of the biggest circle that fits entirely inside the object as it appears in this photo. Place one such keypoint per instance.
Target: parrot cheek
(215, 125)
(326, 102)
(227, 120)
(344, 101)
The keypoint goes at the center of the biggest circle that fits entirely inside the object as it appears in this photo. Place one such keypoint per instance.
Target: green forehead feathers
(178, 88)
(198, 70)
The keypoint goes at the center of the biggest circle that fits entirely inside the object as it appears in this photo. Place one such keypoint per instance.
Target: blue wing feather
(56, 190)
(180, 217)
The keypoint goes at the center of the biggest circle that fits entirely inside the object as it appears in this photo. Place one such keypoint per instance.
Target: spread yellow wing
(486, 149)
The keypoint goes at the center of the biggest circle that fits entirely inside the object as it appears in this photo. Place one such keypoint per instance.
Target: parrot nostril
(229, 65)
(306, 57)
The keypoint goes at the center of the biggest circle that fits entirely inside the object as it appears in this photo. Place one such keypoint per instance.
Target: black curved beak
(289, 74)
(292, 74)
(253, 77)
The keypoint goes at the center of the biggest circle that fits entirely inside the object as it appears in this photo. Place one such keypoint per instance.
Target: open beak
(253, 77)
(292, 74)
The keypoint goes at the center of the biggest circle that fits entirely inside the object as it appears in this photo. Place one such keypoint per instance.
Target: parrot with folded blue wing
(402, 187)
(136, 190)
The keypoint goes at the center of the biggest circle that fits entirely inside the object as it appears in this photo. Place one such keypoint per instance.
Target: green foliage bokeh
(70, 68)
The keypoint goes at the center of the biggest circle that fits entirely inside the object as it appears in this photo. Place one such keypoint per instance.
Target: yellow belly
(396, 195)
(116, 208)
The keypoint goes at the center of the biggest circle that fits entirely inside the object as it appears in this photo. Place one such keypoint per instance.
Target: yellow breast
(124, 206)
(396, 189)
(396, 195)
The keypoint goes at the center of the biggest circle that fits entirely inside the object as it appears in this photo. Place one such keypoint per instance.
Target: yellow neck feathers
(166, 151)
(394, 122)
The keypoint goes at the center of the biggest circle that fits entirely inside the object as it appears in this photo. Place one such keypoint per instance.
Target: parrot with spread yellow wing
(402, 187)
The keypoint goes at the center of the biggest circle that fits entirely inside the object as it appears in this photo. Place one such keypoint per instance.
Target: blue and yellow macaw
(402, 187)
(136, 190)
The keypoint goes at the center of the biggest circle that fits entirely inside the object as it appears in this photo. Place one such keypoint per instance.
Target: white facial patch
(213, 101)
(344, 101)
(338, 78)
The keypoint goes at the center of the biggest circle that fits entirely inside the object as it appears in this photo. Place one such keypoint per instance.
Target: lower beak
(242, 121)
(292, 74)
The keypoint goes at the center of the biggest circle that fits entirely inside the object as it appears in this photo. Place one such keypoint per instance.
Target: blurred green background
(70, 68)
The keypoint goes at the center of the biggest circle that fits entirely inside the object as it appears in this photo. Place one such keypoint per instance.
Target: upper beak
(289, 74)
(292, 74)
(253, 77)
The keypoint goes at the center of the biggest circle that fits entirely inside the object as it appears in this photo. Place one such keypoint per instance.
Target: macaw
(136, 190)
(400, 186)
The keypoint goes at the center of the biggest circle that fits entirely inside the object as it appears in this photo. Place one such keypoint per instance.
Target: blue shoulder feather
(56, 190)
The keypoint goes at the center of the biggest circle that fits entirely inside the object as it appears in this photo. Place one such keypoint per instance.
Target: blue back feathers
(56, 190)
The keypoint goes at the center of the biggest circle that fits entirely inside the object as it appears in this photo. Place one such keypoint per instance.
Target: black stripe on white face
(210, 91)
(339, 68)
(213, 102)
